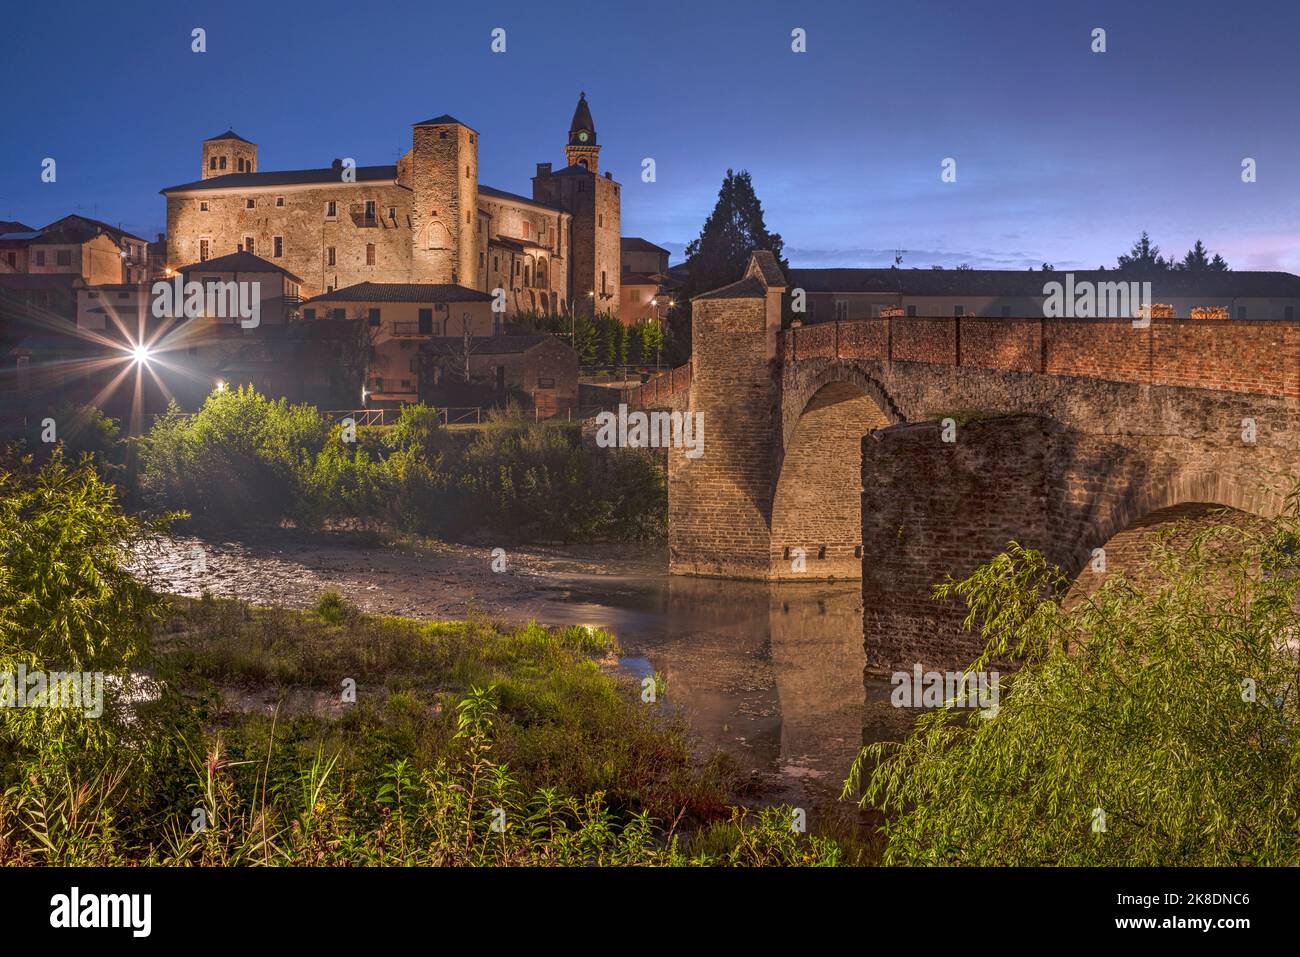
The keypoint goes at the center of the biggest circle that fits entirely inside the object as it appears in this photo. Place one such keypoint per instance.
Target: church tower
(582, 149)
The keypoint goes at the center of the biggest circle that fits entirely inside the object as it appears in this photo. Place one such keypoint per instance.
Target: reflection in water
(770, 673)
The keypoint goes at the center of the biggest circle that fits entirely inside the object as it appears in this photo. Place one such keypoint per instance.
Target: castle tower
(444, 202)
(582, 149)
(228, 153)
(593, 200)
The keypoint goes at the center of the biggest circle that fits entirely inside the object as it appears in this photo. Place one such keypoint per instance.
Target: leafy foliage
(1165, 706)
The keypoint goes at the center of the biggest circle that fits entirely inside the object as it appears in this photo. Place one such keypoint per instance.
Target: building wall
(308, 232)
(645, 261)
(632, 309)
(444, 203)
(822, 308)
(527, 223)
(595, 237)
(97, 260)
(226, 153)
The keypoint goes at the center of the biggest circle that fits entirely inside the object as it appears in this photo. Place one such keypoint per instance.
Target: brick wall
(1232, 355)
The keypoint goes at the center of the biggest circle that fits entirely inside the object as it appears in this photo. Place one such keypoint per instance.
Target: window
(467, 171)
(338, 314)
(392, 213)
(203, 249)
(959, 310)
(223, 162)
(841, 309)
(516, 272)
(482, 259)
(309, 314)
(426, 322)
(331, 209)
(600, 220)
(212, 163)
(250, 204)
(545, 383)
(527, 281)
(203, 206)
(911, 311)
(374, 318)
(442, 134)
(1241, 312)
(370, 210)
(527, 228)
(636, 295)
(248, 245)
(370, 254)
(40, 257)
(13, 260)
(279, 246)
(239, 164)
(329, 256)
(496, 265)
(602, 282)
(63, 257)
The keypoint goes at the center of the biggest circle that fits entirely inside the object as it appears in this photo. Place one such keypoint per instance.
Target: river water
(770, 674)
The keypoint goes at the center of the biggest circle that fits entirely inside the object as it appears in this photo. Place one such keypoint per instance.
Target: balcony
(411, 330)
(361, 218)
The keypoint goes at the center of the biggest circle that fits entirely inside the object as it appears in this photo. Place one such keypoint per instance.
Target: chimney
(543, 169)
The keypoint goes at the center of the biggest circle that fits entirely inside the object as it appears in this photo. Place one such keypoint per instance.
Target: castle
(425, 220)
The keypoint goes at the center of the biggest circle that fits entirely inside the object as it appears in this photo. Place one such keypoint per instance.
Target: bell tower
(582, 149)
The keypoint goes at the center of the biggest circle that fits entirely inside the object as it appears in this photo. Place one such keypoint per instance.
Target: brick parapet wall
(1259, 357)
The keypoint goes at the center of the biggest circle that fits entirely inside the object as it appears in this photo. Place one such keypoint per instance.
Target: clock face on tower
(582, 137)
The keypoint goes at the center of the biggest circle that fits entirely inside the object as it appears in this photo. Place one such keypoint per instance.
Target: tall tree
(1144, 257)
(718, 256)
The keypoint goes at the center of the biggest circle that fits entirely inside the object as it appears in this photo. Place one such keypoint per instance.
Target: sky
(1062, 155)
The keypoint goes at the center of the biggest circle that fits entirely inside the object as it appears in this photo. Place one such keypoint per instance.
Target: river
(770, 674)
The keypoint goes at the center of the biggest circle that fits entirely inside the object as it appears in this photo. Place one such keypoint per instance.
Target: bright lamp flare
(141, 353)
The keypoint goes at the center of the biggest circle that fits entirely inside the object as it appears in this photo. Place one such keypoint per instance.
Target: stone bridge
(904, 450)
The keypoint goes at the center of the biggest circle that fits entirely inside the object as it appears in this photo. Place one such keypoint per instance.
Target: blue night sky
(1062, 155)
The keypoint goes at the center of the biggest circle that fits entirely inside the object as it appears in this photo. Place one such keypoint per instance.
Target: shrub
(1163, 708)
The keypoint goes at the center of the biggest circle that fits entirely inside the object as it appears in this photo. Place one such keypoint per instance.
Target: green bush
(245, 459)
(1164, 708)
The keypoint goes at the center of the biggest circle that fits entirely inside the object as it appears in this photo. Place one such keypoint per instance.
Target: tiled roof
(635, 244)
(402, 292)
(747, 288)
(237, 262)
(1029, 283)
(495, 193)
(293, 177)
(638, 279)
(443, 121)
(12, 226)
(228, 135)
(767, 267)
(115, 233)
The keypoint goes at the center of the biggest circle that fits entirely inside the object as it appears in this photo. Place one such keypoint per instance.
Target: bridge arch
(816, 519)
(1151, 507)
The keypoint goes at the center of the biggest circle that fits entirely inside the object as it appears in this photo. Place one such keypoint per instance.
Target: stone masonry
(830, 439)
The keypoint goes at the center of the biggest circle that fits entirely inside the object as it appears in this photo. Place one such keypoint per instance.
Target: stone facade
(426, 219)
